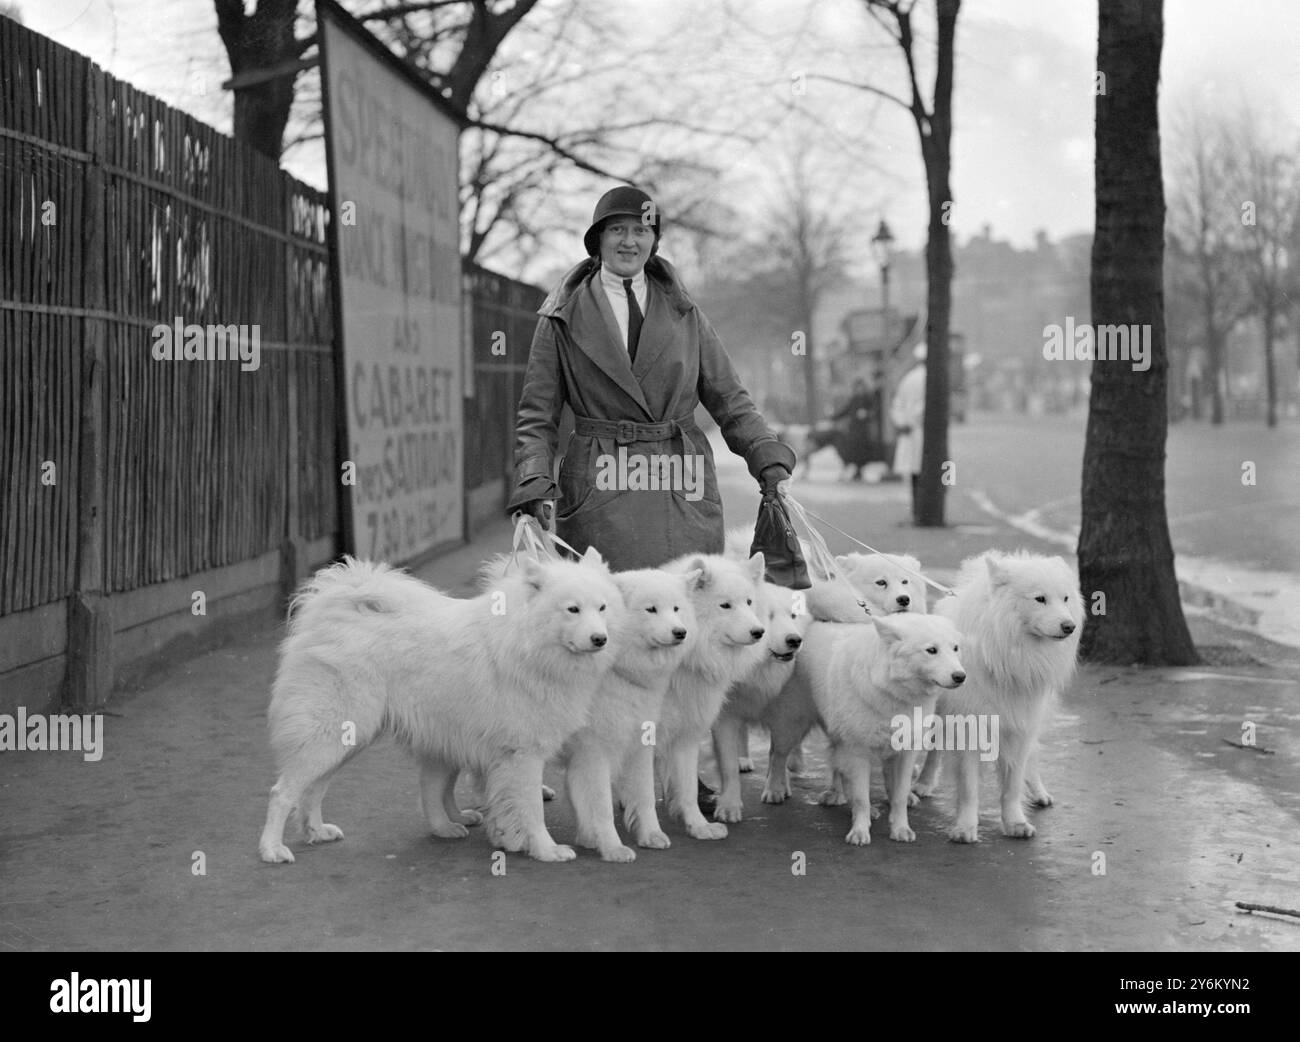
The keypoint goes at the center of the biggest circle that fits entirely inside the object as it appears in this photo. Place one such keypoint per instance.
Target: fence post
(90, 627)
(293, 549)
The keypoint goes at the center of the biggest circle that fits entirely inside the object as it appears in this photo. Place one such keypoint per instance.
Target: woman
(907, 414)
(622, 343)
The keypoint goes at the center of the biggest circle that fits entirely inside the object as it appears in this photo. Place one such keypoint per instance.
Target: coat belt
(625, 432)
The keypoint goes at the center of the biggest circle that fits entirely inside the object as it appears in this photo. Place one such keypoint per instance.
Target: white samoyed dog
(833, 599)
(854, 681)
(1021, 616)
(785, 618)
(889, 582)
(494, 683)
(611, 755)
(726, 598)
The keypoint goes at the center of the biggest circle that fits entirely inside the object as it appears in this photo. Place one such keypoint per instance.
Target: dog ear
(889, 630)
(757, 567)
(996, 571)
(842, 560)
(592, 559)
(692, 578)
(700, 569)
(534, 575)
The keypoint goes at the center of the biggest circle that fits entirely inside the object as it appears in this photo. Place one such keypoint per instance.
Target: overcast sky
(1023, 106)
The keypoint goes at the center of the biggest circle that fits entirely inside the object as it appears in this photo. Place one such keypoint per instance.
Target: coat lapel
(656, 332)
(596, 334)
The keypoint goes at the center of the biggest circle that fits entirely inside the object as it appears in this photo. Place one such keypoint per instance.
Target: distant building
(1002, 300)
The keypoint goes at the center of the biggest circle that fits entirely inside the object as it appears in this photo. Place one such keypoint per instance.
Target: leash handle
(819, 553)
(803, 514)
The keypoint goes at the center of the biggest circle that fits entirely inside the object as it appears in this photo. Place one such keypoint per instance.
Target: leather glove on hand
(542, 509)
(774, 480)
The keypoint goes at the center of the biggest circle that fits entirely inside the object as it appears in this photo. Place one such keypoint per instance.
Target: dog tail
(351, 585)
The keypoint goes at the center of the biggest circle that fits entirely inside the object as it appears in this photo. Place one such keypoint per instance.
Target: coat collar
(582, 304)
(661, 275)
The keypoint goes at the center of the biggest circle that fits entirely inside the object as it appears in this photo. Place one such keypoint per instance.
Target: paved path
(101, 855)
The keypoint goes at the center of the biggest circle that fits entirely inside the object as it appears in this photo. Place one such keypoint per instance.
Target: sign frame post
(392, 153)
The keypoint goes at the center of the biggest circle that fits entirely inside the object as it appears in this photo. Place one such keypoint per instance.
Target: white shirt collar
(614, 282)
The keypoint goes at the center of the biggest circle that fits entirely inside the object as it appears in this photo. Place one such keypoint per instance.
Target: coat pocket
(577, 478)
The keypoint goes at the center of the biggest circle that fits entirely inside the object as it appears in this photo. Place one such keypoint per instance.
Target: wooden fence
(119, 474)
(143, 502)
(503, 319)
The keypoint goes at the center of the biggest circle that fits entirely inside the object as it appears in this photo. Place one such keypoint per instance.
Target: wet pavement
(105, 855)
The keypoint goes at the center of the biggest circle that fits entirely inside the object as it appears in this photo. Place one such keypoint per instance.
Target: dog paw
(730, 812)
(1018, 829)
(619, 853)
(746, 764)
(276, 855)
(913, 799)
(1042, 798)
(795, 764)
(654, 841)
(902, 834)
(324, 833)
(832, 798)
(548, 793)
(555, 852)
(875, 812)
(859, 836)
(774, 795)
(922, 791)
(449, 830)
(707, 831)
(468, 817)
(964, 834)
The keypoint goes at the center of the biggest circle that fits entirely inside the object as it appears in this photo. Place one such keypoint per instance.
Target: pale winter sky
(1023, 102)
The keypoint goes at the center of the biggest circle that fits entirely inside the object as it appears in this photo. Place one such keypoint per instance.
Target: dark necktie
(634, 319)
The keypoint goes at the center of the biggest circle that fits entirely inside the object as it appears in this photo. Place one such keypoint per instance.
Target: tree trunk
(1214, 361)
(261, 40)
(936, 151)
(1124, 547)
(1270, 372)
(810, 368)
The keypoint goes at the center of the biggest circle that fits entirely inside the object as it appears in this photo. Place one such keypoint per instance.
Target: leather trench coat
(624, 411)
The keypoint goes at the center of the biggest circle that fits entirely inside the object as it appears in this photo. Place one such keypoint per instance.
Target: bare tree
(1126, 559)
(1205, 224)
(1267, 180)
(806, 236)
(934, 129)
(266, 55)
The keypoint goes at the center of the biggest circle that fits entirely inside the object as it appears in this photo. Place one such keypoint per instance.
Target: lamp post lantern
(881, 245)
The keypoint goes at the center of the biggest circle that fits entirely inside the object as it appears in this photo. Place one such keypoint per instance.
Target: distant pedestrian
(622, 343)
(861, 412)
(907, 414)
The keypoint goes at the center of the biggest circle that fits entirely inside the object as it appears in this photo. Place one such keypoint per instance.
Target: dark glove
(541, 509)
(769, 480)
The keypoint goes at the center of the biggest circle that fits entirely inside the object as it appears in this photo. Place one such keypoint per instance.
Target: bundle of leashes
(822, 556)
(541, 544)
(533, 540)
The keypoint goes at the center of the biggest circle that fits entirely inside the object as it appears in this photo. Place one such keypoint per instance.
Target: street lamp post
(881, 244)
